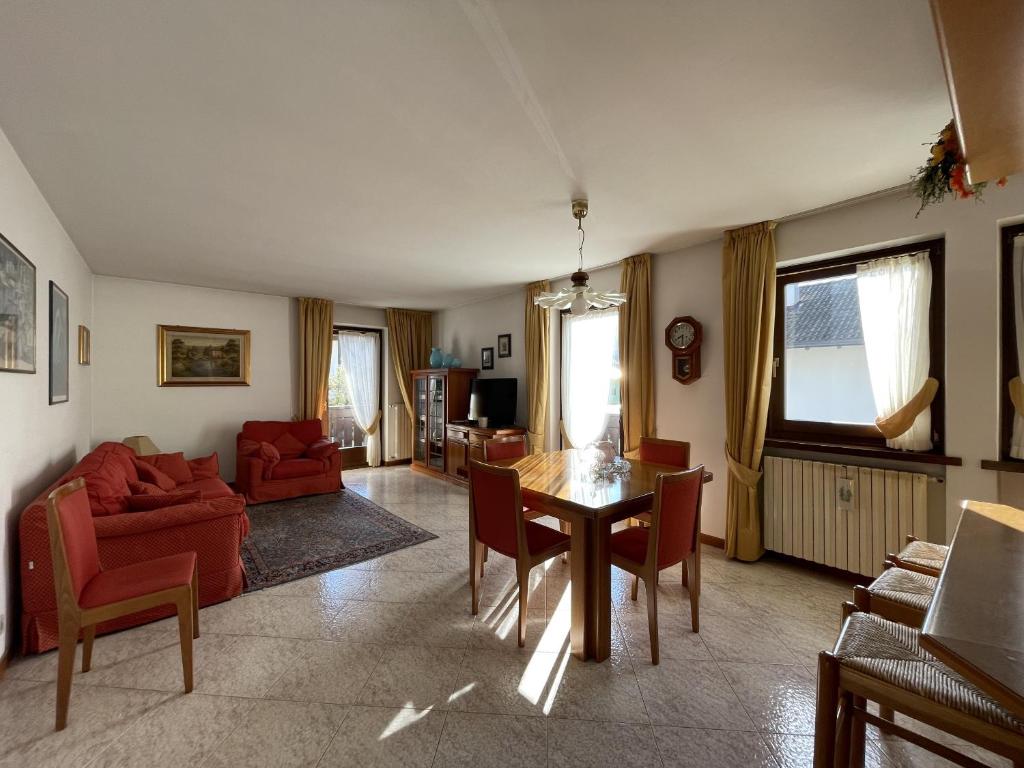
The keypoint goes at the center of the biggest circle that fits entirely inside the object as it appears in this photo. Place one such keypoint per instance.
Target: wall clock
(683, 336)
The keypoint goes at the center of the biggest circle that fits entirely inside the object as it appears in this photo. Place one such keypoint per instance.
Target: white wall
(38, 441)
(196, 420)
(465, 330)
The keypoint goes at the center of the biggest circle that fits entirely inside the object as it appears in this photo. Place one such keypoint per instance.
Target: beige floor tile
(249, 666)
(778, 698)
(693, 694)
(608, 691)
(701, 748)
(157, 666)
(508, 683)
(798, 752)
(410, 676)
(108, 651)
(732, 638)
(328, 672)
(379, 737)
(278, 734)
(676, 637)
(587, 744)
(471, 740)
(332, 586)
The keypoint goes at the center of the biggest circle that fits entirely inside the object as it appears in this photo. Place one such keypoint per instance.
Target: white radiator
(843, 516)
(398, 433)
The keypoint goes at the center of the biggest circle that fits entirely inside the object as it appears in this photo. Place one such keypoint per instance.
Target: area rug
(302, 537)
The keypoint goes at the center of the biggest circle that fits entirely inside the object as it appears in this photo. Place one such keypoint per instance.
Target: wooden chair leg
(686, 578)
(635, 588)
(184, 606)
(524, 594)
(652, 618)
(88, 635)
(563, 526)
(826, 711)
(844, 730)
(195, 603)
(475, 575)
(857, 733)
(65, 668)
(690, 564)
(886, 713)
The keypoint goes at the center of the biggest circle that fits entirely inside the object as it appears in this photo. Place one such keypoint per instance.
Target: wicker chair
(921, 556)
(882, 661)
(898, 595)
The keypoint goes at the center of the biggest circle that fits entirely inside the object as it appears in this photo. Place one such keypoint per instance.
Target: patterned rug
(302, 537)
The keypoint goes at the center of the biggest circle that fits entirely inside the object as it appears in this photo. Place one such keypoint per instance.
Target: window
(354, 394)
(833, 364)
(591, 393)
(1011, 431)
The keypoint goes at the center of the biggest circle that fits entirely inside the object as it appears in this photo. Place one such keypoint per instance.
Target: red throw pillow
(248, 447)
(205, 467)
(145, 489)
(150, 474)
(289, 446)
(171, 464)
(148, 502)
(321, 449)
(270, 457)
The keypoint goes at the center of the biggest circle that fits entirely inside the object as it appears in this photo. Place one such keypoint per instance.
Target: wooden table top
(975, 623)
(566, 478)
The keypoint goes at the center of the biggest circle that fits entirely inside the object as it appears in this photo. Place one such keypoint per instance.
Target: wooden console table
(465, 442)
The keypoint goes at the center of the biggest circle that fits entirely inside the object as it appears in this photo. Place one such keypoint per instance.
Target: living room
(154, 177)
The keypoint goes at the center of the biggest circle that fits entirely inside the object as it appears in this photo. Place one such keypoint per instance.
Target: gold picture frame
(202, 357)
(84, 346)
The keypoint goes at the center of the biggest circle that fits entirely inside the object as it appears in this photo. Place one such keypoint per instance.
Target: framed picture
(201, 357)
(505, 345)
(17, 310)
(60, 346)
(487, 358)
(84, 346)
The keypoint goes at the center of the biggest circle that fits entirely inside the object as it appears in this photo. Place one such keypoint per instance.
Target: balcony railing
(344, 429)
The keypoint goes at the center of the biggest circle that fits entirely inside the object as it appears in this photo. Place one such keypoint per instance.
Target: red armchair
(284, 459)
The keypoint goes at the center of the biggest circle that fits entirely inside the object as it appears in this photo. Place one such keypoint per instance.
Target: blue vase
(456, 362)
(447, 361)
(436, 357)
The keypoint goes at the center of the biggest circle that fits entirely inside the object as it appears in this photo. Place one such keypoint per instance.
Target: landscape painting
(17, 310)
(202, 357)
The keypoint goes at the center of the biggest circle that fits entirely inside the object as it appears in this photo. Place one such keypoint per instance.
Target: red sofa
(283, 459)
(213, 528)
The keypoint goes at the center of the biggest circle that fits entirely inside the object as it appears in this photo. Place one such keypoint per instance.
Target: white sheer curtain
(894, 295)
(359, 355)
(1017, 440)
(588, 348)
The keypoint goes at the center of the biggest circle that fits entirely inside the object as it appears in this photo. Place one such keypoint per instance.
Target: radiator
(398, 433)
(843, 516)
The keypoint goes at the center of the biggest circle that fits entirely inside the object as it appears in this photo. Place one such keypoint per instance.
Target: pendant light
(579, 298)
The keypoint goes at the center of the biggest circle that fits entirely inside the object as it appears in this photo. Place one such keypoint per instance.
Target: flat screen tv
(495, 400)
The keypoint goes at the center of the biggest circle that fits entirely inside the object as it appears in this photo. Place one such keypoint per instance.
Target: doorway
(354, 395)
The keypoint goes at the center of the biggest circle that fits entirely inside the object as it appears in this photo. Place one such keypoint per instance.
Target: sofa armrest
(132, 523)
(322, 448)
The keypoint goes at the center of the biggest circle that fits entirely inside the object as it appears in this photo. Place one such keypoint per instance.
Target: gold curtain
(636, 356)
(748, 313)
(538, 325)
(316, 333)
(410, 334)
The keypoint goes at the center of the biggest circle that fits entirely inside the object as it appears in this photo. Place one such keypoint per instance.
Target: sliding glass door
(591, 378)
(354, 395)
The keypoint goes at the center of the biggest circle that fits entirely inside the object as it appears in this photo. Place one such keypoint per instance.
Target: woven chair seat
(891, 653)
(925, 554)
(909, 588)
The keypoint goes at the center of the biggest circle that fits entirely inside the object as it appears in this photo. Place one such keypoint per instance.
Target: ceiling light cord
(583, 237)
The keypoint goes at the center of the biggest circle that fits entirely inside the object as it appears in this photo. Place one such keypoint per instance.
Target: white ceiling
(423, 153)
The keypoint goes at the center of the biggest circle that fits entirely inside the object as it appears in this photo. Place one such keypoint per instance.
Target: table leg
(591, 627)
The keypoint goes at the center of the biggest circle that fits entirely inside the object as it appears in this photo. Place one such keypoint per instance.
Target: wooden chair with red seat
(673, 537)
(671, 453)
(497, 521)
(88, 595)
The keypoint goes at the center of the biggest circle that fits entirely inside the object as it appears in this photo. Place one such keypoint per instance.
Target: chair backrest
(505, 448)
(672, 453)
(675, 517)
(496, 505)
(72, 540)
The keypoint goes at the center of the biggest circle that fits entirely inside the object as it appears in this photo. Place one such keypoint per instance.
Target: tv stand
(465, 441)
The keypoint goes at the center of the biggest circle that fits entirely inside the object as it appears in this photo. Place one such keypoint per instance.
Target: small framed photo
(84, 346)
(505, 345)
(60, 346)
(487, 358)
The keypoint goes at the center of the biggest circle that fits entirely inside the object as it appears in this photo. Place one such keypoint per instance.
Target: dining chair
(515, 448)
(673, 537)
(897, 595)
(671, 453)
(921, 556)
(87, 594)
(881, 661)
(496, 521)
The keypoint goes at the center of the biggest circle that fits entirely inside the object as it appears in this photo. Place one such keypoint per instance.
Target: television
(495, 400)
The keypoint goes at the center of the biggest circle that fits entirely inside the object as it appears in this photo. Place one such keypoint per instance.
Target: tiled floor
(382, 664)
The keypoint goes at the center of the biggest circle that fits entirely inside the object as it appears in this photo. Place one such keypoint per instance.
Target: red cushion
(171, 464)
(150, 474)
(270, 456)
(289, 446)
(289, 468)
(321, 449)
(674, 454)
(631, 544)
(146, 502)
(204, 467)
(495, 450)
(106, 481)
(209, 487)
(138, 579)
(139, 488)
(247, 447)
(79, 536)
(540, 537)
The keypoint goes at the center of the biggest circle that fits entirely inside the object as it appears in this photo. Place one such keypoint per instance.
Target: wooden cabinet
(466, 443)
(440, 395)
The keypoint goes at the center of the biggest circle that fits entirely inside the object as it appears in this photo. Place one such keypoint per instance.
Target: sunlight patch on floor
(404, 719)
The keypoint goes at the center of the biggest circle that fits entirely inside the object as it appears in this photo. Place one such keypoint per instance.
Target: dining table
(575, 486)
(975, 623)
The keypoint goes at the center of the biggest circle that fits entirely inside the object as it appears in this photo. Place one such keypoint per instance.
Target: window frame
(782, 429)
(354, 456)
(1009, 366)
